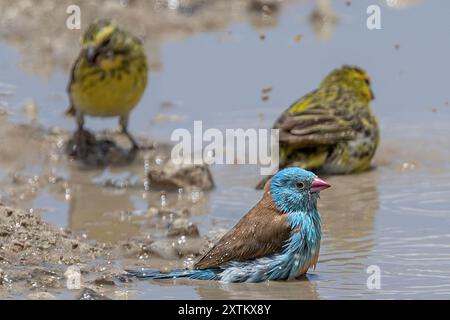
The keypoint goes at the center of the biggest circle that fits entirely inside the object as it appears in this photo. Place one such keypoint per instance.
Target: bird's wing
(263, 231)
(316, 120)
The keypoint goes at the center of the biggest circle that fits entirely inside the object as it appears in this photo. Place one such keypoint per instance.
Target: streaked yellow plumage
(333, 129)
(110, 75)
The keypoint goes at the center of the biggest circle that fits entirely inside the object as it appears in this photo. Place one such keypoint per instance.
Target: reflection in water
(47, 43)
(110, 206)
(20, 153)
(348, 211)
(348, 208)
(298, 289)
(101, 212)
(304, 289)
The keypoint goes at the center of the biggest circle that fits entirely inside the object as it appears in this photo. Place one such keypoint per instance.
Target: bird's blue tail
(208, 274)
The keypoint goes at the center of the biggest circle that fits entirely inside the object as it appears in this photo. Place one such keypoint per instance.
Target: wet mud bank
(38, 260)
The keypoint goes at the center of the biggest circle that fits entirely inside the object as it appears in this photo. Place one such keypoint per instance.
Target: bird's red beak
(319, 185)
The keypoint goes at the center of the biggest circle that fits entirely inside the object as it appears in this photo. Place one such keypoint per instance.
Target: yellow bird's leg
(81, 139)
(80, 120)
(124, 127)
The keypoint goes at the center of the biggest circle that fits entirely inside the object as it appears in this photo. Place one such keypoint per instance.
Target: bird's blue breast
(304, 243)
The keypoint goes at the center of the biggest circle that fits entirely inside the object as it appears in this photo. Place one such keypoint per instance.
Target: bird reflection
(348, 215)
(303, 289)
(299, 289)
(100, 212)
(114, 209)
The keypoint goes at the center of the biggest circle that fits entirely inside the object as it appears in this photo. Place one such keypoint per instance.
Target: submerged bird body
(332, 129)
(109, 76)
(279, 239)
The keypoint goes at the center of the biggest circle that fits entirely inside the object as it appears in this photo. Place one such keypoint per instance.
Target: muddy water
(396, 217)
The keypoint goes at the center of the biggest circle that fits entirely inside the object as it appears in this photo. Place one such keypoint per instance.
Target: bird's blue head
(296, 190)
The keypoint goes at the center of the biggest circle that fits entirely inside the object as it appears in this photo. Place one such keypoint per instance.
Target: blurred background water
(210, 61)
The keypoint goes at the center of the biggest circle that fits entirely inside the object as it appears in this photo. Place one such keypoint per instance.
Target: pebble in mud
(173, 177)
(177, 248)
(191, 247)
(104, 281)
(183, 227)
(136, 248)
(263, 6)
(42, 278)
(166, 212)
(164, 249)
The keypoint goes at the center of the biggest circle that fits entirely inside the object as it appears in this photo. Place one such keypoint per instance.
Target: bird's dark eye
(367, 81)
(106, 42)
(300, 185)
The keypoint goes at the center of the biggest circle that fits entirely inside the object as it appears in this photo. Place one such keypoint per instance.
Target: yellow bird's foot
(92, 152)
(134, 145)
(80, 143)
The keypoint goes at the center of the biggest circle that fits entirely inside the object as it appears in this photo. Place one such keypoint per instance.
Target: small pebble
(298, 38)
(183, 227)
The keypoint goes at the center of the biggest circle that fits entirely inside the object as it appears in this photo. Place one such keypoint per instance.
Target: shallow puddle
(396, 217)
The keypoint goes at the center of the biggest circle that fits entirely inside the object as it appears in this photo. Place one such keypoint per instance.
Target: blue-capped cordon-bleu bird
(278, 239)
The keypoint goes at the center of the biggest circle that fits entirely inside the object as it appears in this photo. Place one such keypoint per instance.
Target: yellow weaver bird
(331, 130)
(109, 75)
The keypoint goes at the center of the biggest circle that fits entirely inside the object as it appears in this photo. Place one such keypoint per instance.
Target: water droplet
(163, 200)
(195, 196)
(173, 4)
(146, 166)
(60, 143)
(146, 185)
(67, 195)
